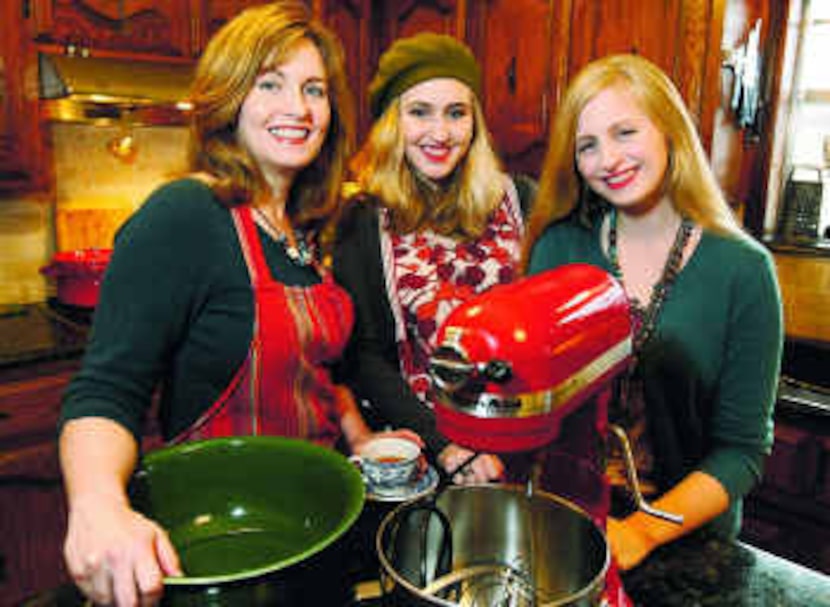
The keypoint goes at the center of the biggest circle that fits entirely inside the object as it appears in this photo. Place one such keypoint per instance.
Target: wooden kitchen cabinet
(513, 43)
(402, 18)
(121, 27)
(788, 514)
(351, 20)
(22, 157)
(215, 13)
(33, 520)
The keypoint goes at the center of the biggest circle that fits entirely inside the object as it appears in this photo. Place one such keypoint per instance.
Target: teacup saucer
(418, 488)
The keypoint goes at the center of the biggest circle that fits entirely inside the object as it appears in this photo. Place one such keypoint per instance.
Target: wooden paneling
(404, 18)
(128, 26)
(507, 36)
(33, 518)
(351, 20)
(22, 165)
(805, 287)
(645, 27)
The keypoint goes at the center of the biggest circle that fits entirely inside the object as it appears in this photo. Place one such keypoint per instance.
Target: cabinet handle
(511, 76)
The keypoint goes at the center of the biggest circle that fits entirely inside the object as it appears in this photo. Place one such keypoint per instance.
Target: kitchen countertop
(698, 571)
(41, 331)
(693, 572)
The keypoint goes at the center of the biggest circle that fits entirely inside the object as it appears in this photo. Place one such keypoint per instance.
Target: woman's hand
(115, 555)
(483, 469)
(629, 543)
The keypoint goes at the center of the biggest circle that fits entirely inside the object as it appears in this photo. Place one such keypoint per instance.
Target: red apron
(283, 387)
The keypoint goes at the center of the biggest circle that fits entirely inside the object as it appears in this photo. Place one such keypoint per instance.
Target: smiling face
(437, 124)
(286, 115)
(620, 152)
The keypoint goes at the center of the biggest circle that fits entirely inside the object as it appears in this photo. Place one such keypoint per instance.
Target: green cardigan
(711, 368)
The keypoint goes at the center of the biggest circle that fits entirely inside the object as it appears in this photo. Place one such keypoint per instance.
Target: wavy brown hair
(689, 181)
(460, 208)
(258, 39)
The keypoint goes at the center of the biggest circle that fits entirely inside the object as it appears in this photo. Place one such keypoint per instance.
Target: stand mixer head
(517, 360)
(513, 362)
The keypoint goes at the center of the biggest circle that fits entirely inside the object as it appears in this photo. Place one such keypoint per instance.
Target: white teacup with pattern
(388, 462)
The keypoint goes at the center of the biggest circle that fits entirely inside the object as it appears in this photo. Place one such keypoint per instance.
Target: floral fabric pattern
(433, 274)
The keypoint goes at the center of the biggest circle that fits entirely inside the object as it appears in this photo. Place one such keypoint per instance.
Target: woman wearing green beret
(436, 220)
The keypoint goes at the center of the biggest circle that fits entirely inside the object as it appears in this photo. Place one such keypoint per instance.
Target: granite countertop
(702, 572)
(694, 572)
(41, 331)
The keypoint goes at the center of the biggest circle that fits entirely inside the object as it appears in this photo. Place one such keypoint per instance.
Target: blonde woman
(626, 186)
(437, 220)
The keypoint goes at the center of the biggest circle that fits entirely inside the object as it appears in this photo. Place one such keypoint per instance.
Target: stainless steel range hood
(103, 91)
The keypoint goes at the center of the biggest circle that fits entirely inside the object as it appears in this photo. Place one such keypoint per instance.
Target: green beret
(421, 57)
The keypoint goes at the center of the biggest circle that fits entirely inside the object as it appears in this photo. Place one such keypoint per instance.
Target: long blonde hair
(460, 208)
(254, 41)
(689, 181)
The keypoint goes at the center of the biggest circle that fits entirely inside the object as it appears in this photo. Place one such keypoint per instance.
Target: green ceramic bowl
(243, 507)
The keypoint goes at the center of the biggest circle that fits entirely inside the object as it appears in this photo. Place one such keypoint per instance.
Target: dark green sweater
(176, 312)
(711, 368)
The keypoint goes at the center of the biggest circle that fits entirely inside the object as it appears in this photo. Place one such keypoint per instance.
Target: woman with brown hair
(216, 295)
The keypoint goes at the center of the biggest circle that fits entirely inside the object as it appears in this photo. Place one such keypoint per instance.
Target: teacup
(388, 462)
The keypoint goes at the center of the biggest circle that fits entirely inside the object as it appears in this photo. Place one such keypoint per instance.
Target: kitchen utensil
(78, 275)
(801, 212)
(491, 545)
(254, 519)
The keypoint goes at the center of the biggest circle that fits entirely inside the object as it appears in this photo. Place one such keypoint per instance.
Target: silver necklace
(301, 254)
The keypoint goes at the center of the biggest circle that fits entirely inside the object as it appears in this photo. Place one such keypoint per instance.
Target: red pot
(78, 275)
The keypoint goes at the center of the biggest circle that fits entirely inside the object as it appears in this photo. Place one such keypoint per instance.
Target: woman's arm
(114, 554)
(370, 363)
(698, 498)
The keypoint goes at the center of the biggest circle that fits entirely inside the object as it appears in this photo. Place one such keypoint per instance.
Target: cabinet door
(33, 509)
(20, 140)
(682, 37)
(215, 13)
(511, 40)
(128, 27)
(350, 20)
(402, 18)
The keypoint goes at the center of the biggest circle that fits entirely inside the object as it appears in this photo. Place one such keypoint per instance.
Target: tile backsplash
(88, 175)
(94, 192)
(25, 234)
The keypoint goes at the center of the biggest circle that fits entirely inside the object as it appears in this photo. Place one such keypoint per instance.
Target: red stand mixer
(517, 366)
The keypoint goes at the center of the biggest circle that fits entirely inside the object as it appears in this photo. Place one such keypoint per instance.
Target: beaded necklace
(301, 254)
(629, 409)
(646, 318)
